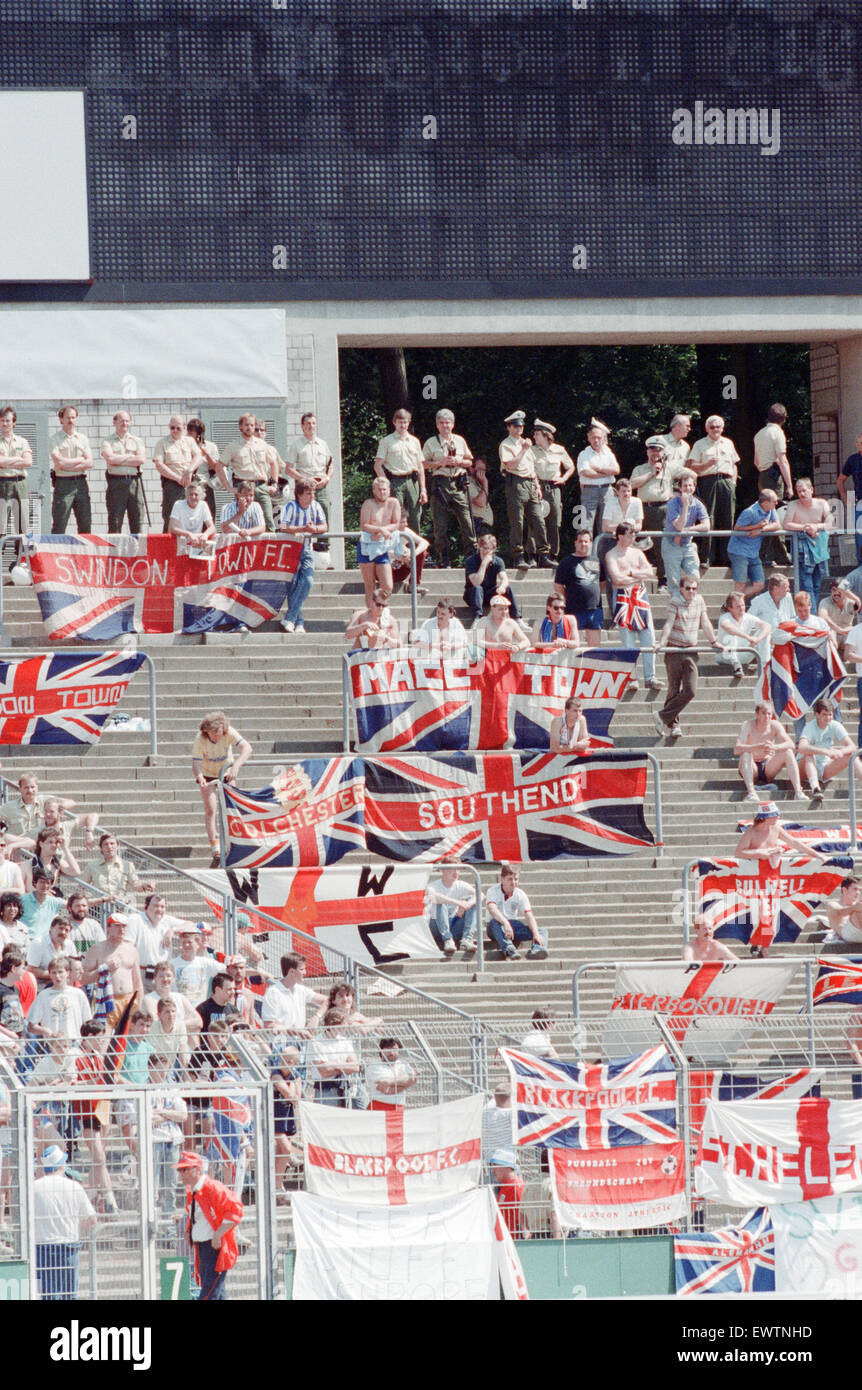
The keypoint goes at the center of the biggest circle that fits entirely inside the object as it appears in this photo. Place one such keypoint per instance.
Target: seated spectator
(536, 1040)
(115, 879)
(740, 634)
(375, 626)
(401, 581)
(576, 580)
(40, 906)
(704, 946)
(303, 519)
(12, 1022)
(558, 628)
(775, 605)
(443, 632)
(114, 965)
(629, 570)
(486, 577)
(766, 838)
(569, 732)
(12, 933)
(380, 523)
(685, 515)
(841, 920)
(60, 1010)
(764, 748)
(743, 547)
(450, 904)
(86, 930)
(243, 516)
(285, 1003)
(390, 1079)
(332, 1062)
(343, 996)
(499, 631)
(511, 918)
(825, 747)
(508, 1188)
(218, 750)
(190, 520)
(839, 612)
(809, 520)
(497, 1120)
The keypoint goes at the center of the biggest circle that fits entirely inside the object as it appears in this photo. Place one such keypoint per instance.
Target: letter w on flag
(63, 698)
(804, 667)
(734, 1259)
(561, 1105)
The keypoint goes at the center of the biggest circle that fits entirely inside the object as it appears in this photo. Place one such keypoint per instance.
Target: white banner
(766, 1152)
(392, 1157)
(618, 1189)
(451, 1250)
(818, 1246)
(710, 1006)
(375, 914)
(45, 234)
(141, 354)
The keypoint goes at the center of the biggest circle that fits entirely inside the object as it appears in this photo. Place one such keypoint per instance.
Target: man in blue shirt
(303, 518)
(743, 548)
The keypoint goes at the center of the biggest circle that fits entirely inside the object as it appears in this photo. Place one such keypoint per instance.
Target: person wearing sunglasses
(686, 619)
(558, 628)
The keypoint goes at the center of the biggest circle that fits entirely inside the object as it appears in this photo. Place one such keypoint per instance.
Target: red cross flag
(392, 1157)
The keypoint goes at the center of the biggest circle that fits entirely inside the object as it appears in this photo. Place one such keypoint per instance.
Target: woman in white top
(374, 626)
(332, 1062)
(569, 732)
(621, 505)
(191, 520)
(443, 632)
(739, 633)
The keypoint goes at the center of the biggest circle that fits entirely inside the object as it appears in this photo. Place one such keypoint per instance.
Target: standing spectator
(43, 949)
(52, 854)
(61, 1010)
(447, 458)
(125, 455)
(275, 462)
(176, 457)
(190, 519)
(12, 933)
(303, 518)
(168, 1113)
(499, 629)
(676, 448)
(497, 1120)
(536, 1040)
(553, 468)
(569, 732)
(577, 581)
(804, 616)
(287, 1090)
(286, 1002)
(12, 969)
(214, 1212)
(40, 906)
(210, 465)
(485, 576)
(11, 877)
(23, 813)
(119, 961)
(114, 878)
(343, 996)
(770, 460)
(684, 514)
(763, 748)
(243, 516)
(16, 458)
(686, 619)
(399, 458)
(653, 482)
(71, 461)
(558, 629)
(740, 634)
(825, 749)
(714, 459)
(94, 1115)
(452, 911)
(193, 971)
(477, 492)
(150, 931)
(508, 1188)
(63, 1214)
(629, 570)
(810, 520)
(217, 746)
(390, 1079)
(442, 633)
(774, 607)
(620, 506)
(375, 626)
(250, 458)
(511, 918)
(379, 522)
(597, 467)
(309, 460)
(523, 494)
(743, 548)
(332, 1062)
(839, 612)
(852, 468)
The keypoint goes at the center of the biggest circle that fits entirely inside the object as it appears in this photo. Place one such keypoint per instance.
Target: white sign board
(44, 231)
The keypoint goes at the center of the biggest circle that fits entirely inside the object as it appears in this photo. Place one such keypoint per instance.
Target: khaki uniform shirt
(724, 449)
(248, 458)
(130, 445)
(677, 453)
(178, 454)
(309, 456)
(21, 819)
(549, 463)
(12, 452)
(509, 450)
(115, 880)
(769, 444)
(69, 446)
(400, 456)
(433, 448)
(202, 473)
(658, 489)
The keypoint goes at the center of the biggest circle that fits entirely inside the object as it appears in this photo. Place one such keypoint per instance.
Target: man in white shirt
(714, 459)
(497, 1120)
(773, 470)
(390, 1079)
(63, 1214)
(285, 1003)
(190, 520)
(193, 971)
(450, 905)
(150, 930)
(597, 467)
(774, 606)
(511, 918)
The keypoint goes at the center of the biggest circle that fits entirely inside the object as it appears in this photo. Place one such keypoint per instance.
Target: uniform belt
(13, 477)
(396, 477)
(255, 482)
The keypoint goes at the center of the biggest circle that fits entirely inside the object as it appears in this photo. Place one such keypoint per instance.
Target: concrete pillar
(328, 407)
(849, 394)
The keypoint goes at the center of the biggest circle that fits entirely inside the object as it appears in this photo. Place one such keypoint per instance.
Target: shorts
(363, 559)
(760, 772)
(590, 618)
(746, 569)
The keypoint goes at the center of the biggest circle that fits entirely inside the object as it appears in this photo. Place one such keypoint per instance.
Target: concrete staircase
(284, 694)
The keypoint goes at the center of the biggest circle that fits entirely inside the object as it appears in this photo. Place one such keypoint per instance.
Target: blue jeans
(166, 1156)
(594, 498)
(447, 923)
(300, 588)
(679, 560)
(811, 577)
(520, 932)
(57, 1272)
(212, 1283)
(476, 598)
(644, 638)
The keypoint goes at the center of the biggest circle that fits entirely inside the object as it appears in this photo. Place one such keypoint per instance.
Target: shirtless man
(704, 945)
(842, 915)
(498, 630)
(123, 963)
(764, 747)
(767, 838)
(627, 566)
(380, 521)
(811, 519)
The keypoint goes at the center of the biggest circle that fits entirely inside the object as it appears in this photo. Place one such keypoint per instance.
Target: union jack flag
(499, 700)
(561, 1105)
(727, 1085)
(62, 699)
(97, 589)
(839, 981)
(311, 814)
(631, 608)
(506, 806)
(231, 1115)
(804, 667)
(734, 1259)
(760, 903)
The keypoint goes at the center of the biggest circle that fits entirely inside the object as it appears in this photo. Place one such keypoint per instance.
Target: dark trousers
(71, 495)
(774, 550)
(476, 599)
(654, 518)
(718, 495)
(212, 1283)
(125, 497)
(448, 497)
(524, 508)
(171, 493)
(681, 670)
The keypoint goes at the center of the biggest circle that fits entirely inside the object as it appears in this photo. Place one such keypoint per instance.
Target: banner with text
(733, 1259)
(818, 1246)
(761, 903)
(618, 1189)
(63, 698)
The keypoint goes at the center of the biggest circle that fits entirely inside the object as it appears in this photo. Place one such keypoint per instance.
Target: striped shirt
(294, 515)
(687, 619)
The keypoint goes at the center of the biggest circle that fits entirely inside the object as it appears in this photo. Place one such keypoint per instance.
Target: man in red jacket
(214, 1213)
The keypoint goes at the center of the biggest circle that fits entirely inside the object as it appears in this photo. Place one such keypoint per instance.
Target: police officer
(124, 456)
(523, 494)
(71, 460)
(399, 458)
(553, 468)
(253, 460)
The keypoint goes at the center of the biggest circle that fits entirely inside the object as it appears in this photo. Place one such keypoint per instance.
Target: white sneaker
(675, 731)
(300, 629)
(752, 796)
(655, 684)
(329, 562)
(288, 625)
(449, 948)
